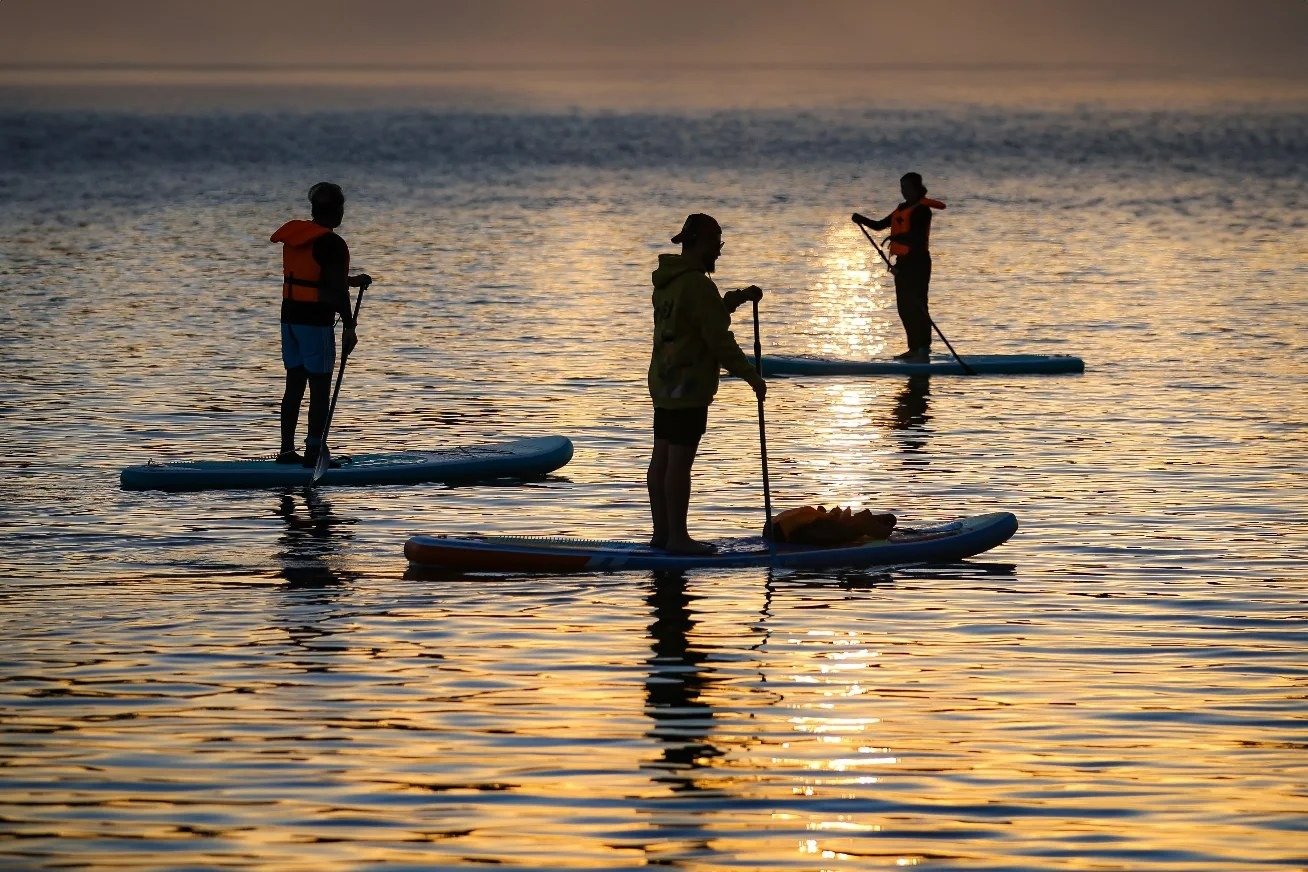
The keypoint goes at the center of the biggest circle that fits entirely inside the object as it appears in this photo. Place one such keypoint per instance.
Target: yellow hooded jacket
(692, 337)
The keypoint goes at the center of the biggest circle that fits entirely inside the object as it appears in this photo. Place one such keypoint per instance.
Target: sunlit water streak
(250, 680)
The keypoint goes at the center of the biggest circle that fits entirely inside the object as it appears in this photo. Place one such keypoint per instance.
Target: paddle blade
(324, 462)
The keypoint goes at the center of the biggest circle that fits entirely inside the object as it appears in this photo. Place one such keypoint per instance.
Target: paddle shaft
(966, 369)
(762, 433)
(324, 455)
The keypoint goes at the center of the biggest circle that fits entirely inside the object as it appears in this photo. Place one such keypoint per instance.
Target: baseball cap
(696, 224)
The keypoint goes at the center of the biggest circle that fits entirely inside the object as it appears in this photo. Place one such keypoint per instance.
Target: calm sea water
(250, 679)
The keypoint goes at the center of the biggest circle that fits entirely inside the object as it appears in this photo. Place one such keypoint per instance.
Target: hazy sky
(1260, 36)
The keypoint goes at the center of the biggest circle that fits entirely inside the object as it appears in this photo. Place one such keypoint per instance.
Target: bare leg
(296, 379)
(658, 502)
(676, 496)
(320, 388)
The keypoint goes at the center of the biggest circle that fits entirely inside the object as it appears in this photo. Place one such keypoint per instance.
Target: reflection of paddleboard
(937, 543)
(520, 458)
(941, 364)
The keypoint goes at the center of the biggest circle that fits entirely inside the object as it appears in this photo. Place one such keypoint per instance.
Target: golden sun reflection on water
(851, 301)
(834, 749)
(854, 440)
(1117, 681)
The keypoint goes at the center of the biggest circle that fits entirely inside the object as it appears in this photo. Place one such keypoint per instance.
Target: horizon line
(1085, 66)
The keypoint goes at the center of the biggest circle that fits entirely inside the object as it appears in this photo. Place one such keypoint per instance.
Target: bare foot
(656, 542)
(690, 546)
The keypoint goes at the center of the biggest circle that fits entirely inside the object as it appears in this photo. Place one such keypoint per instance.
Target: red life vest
(901, 219)
(301, 273)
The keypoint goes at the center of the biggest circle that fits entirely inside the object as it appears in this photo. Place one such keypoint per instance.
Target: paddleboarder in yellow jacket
(692, 342)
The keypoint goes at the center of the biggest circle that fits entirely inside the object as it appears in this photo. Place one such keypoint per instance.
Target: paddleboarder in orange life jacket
(910, 234)
(315, 291)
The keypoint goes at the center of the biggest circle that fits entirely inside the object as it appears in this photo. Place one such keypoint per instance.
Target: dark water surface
(251, 679)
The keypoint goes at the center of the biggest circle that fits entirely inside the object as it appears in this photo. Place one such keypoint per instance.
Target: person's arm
(715, 327)
(873, 223)
(334, 284)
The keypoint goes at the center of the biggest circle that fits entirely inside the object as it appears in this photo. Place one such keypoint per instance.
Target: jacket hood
(670, 267)
(299, 232)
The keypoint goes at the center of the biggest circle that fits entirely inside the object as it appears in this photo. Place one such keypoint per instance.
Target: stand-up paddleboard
(938, 543)
(520, 458)
(941, 364)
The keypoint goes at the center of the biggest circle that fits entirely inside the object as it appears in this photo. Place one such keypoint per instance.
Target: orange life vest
(301, 273)
(902, 218)
(809, 525)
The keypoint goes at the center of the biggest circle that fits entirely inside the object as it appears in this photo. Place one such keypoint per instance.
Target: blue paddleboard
(936, 543)
(941, 364)
(520, 458)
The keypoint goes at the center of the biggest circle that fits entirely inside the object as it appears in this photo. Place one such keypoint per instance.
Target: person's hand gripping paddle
(324, 461)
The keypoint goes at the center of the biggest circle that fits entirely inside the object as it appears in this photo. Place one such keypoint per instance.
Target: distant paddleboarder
(692, 341)
(315, 291)
(910, 233)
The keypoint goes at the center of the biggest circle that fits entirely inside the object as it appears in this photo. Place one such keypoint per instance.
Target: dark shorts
(680, 426)
(309, 346)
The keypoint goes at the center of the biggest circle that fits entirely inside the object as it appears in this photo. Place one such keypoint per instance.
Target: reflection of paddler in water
(674, 684)
(311, 539)
(910, 412)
